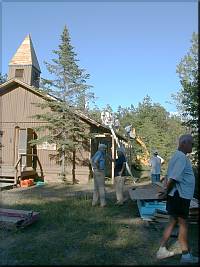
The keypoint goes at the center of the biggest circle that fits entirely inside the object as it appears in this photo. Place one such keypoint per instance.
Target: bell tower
(24, 65)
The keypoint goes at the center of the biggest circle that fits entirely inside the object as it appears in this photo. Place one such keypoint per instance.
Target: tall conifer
(67, 92)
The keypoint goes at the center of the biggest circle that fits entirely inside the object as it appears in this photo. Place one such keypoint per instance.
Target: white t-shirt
(162, 160)
(180, 169)
(155, 164)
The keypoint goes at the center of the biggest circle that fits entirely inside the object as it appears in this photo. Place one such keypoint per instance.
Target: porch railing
(19, 163)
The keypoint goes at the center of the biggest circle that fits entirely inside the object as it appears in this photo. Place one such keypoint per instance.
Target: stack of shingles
(162, 216)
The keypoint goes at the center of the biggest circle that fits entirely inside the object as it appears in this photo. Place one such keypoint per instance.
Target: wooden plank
(146, 192)
(156, 219)
(6, 173)
(6, 185)
(5, 181)
(20, 213)
(7, 178)
(159, 215)
(8, 219)
(194, 211)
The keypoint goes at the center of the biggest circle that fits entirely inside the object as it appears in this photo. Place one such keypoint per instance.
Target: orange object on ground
(31, 182)
(26, 182)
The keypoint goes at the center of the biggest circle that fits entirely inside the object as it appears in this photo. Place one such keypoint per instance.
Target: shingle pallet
(10, 218)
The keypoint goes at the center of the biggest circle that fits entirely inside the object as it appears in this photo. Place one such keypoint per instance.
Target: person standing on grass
(120, 165)
(98, 168)
(179, 192)
(155, 163)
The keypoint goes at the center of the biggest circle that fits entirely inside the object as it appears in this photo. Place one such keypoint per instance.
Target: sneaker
(102, 206)
(163, 253)
(189, 258)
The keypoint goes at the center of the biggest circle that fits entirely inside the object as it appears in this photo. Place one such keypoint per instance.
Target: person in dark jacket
(120, 165)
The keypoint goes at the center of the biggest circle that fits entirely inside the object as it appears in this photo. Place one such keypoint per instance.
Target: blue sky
(130, 49)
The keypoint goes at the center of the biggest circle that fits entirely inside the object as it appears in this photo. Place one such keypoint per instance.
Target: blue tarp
(147, 208)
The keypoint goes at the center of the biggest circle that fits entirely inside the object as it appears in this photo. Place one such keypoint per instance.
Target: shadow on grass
(71, 232)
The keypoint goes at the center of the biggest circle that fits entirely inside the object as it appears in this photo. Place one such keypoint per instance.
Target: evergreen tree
(67, 92)
(95, 113)
(3, 78)
(69, 83)
(188, 97)
(154, 126)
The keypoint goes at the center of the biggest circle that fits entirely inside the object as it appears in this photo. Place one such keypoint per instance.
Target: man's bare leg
(168, 230)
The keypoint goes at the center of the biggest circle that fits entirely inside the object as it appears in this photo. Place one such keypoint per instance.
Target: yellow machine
(144, 159)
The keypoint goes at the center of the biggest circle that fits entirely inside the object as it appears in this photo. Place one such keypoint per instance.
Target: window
(19, 73)
(35, 77)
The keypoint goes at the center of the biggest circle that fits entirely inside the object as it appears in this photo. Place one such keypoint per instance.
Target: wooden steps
(7, 172)
(6, 182)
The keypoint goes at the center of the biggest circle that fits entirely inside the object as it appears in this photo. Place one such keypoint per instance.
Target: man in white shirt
(155, 163)
(179, 192)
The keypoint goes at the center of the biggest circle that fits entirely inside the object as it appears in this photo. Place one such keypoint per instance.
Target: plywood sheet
(149, 191)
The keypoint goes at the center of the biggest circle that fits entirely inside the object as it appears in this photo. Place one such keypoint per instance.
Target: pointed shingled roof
(25, 54)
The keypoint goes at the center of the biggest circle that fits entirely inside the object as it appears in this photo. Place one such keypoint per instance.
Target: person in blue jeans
(155, 163)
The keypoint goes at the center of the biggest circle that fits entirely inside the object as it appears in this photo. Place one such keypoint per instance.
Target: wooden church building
(18, 158)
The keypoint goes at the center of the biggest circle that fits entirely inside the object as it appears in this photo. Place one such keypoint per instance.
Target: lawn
(72, 232)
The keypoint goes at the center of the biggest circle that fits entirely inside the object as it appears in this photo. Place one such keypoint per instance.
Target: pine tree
(3, 78)
(69, 83)
(187, 99)
(154, 125)
(68, 92)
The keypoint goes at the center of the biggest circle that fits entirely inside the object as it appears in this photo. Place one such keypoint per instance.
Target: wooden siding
(7, 145)
(18, 107)
(17, 110)
(27, 75)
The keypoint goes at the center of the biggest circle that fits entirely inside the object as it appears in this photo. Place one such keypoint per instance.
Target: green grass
(71, 232)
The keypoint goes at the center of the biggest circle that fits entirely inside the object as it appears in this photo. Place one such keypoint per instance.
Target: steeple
(24, 64)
